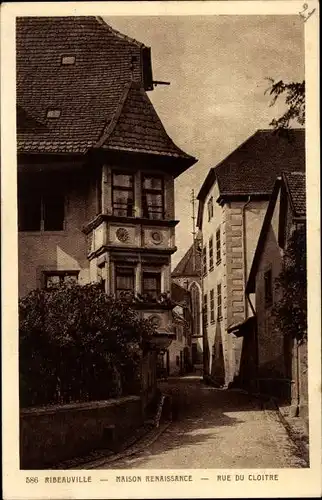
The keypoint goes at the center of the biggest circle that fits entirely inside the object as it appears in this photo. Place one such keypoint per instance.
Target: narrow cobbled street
(216, 428)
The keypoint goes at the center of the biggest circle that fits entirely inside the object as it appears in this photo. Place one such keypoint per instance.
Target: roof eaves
(285, 178)
(207, 183)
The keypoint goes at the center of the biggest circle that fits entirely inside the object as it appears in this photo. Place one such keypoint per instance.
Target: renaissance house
(96, 167)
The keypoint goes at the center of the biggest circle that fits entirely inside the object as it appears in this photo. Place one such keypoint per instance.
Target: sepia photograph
(162, 233)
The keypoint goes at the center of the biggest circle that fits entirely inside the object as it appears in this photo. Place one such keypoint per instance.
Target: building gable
(252, 168)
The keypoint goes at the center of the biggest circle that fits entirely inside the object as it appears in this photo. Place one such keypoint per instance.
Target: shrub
(78, 344)
(290, 312)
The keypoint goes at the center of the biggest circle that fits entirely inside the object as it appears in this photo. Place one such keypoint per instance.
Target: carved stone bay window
(153, 197)
(123, 194)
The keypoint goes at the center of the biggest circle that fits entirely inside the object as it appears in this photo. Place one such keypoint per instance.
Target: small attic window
(53, 113)
(68, 60)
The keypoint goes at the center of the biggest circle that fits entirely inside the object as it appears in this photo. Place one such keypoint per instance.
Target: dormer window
(53, 113)
(68, 60)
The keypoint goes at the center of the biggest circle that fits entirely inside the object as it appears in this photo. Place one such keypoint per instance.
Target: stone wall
(52, 434)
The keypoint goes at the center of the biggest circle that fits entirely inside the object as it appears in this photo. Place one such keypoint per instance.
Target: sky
(217, 67)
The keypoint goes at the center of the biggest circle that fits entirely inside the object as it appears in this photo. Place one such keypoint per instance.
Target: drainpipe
(297, 381)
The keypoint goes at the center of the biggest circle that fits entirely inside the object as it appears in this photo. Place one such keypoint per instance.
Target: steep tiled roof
(253, 167)
(86, 93)
(137, 127)
(94, 96)
(295, 185)
(185, 267)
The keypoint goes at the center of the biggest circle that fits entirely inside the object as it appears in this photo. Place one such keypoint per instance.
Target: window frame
(144, 191)
(61, 273)
(219, 301)
(218, 245)
(212, 305)
(131, 189)
(127, 270)
(211, 253)
(147, 292)
(210, 208)
(42, 192)
(205, 310)
(204, 260)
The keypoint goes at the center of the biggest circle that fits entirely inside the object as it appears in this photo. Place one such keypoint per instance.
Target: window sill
(218, 262)
(211, 269)
(212, 322)
(219, 318)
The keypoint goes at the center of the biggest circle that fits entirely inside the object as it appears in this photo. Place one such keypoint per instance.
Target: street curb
(303, 449)
(136, 448)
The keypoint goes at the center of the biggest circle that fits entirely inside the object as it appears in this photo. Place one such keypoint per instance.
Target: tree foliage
(294, 94)
(290, 312)
(77, 343)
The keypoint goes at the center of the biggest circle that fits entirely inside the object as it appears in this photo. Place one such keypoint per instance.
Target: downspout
(297, 351)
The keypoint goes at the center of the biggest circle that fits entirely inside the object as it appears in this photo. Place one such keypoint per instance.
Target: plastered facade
(240, 224)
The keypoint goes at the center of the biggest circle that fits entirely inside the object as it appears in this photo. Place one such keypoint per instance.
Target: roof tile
(295, 184)
(253, 167)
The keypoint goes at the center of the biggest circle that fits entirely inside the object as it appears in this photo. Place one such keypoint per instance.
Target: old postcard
(161, 251)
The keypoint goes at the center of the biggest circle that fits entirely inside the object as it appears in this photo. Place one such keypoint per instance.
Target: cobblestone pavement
(215, 428)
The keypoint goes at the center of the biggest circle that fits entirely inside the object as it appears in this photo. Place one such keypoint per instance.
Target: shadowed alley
(215, 428)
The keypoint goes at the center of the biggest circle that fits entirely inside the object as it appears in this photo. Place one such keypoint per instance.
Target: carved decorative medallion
(156, 320)
(156, 237)
(122, 234)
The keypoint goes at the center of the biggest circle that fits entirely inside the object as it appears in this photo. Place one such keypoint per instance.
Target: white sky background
(217, 66)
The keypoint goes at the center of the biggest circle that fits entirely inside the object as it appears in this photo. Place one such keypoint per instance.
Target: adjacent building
(187, 274)
(279, 366)
(232, 205)
(176, 359)
(96, 167)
